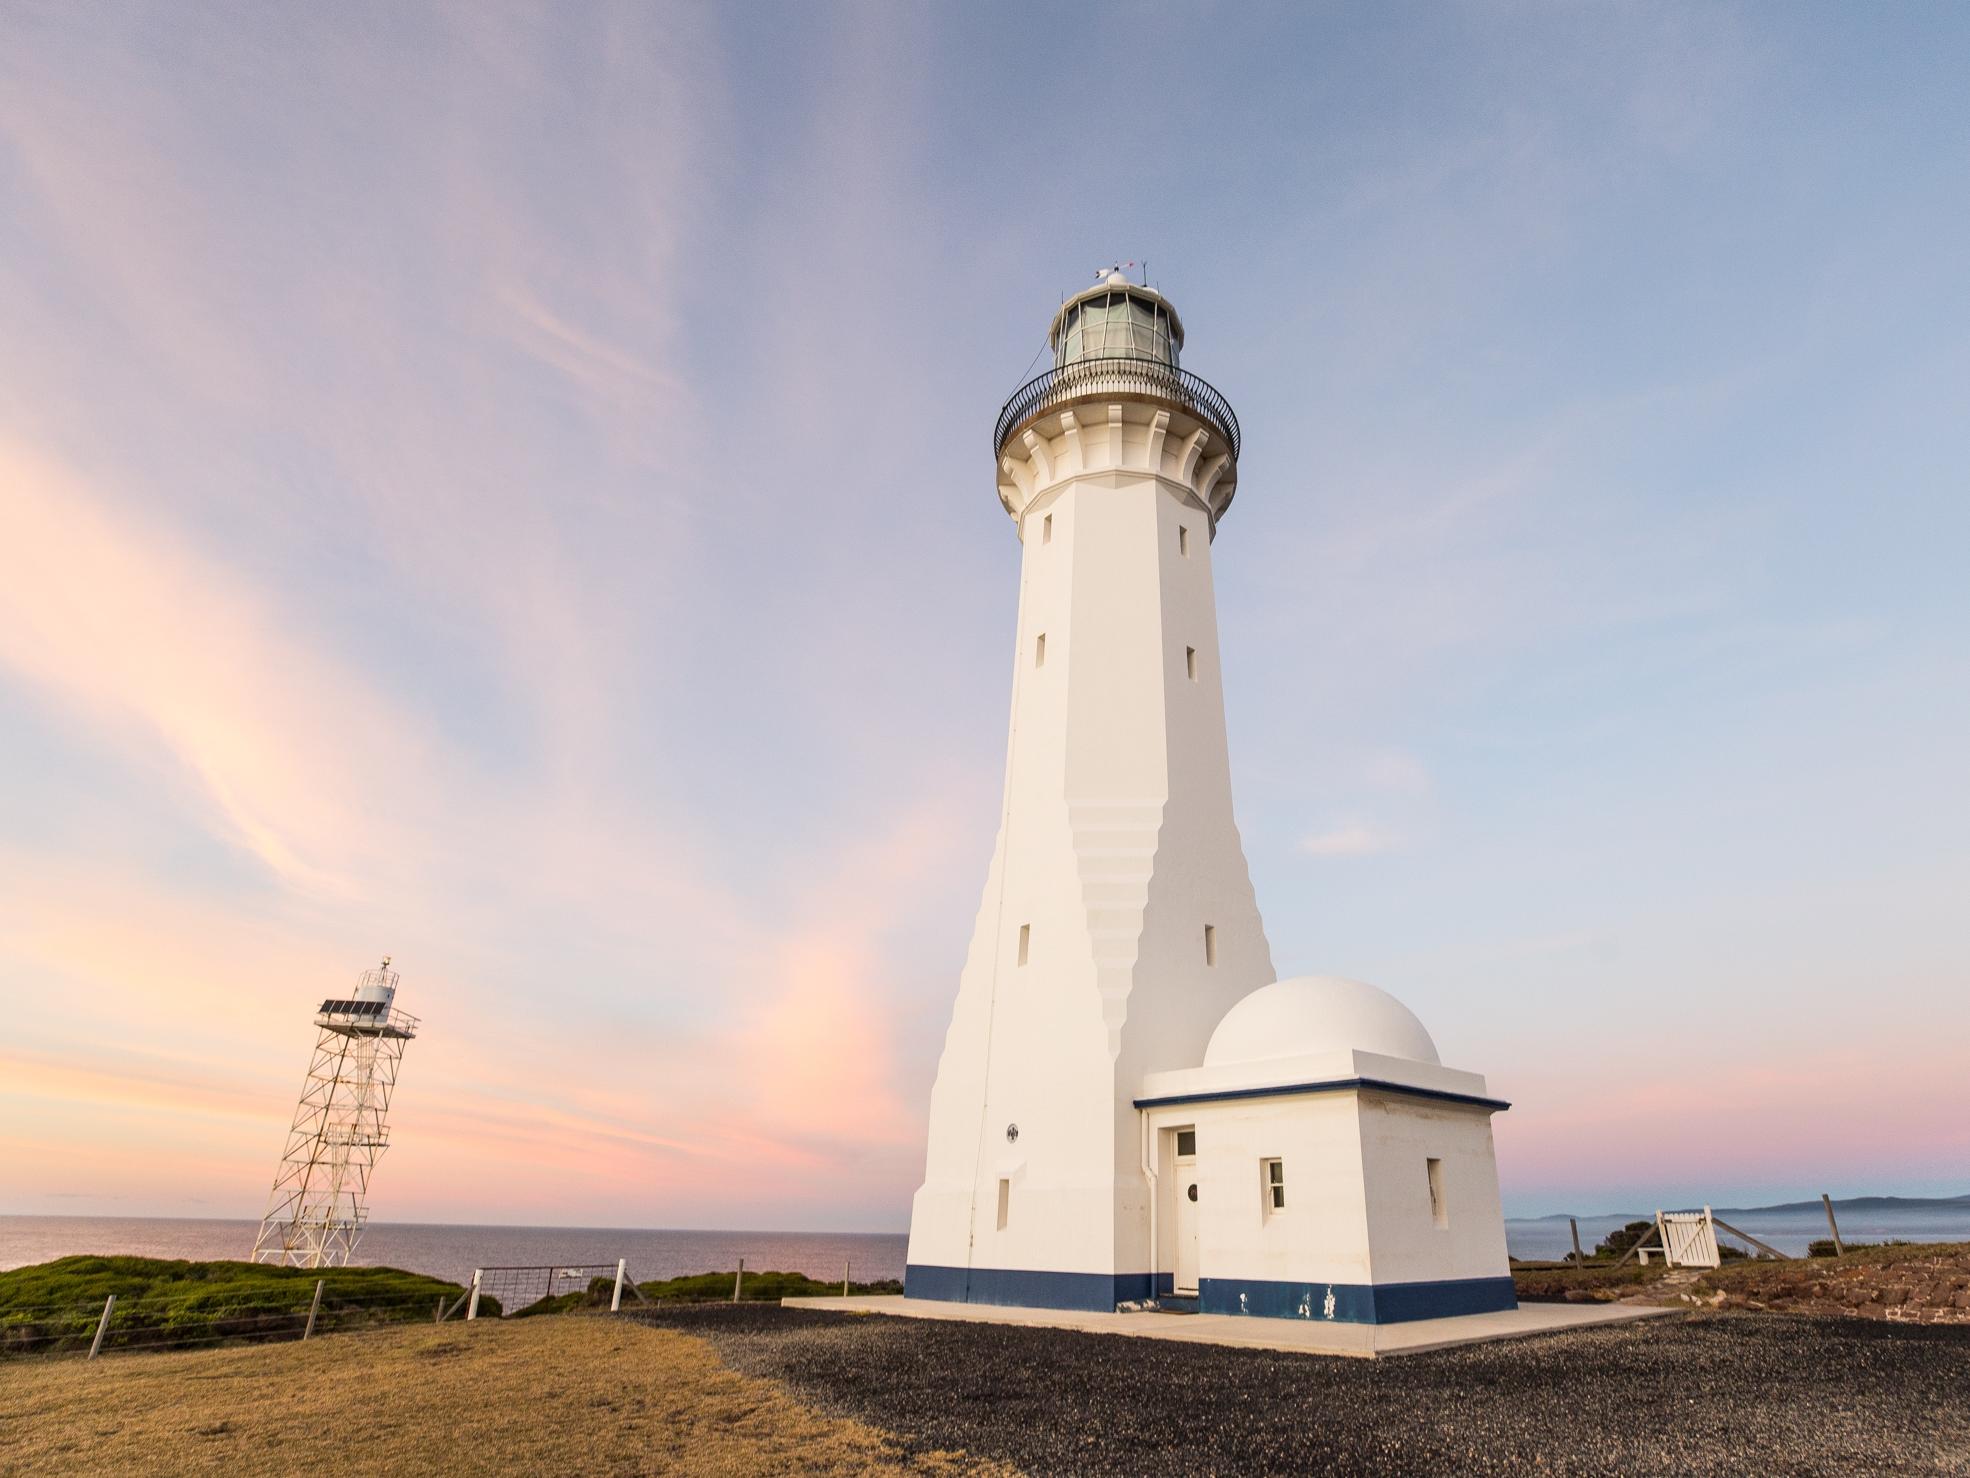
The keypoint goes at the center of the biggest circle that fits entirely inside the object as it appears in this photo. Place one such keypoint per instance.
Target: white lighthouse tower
(1095, 1138)
(1118, 923)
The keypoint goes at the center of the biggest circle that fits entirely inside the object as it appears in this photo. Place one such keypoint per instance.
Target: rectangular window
(1190, 662)
(1040, 650)
(1025, 941)
(1183, 541)
(1439, 1209)
(1272, 1181)
(1186, 1144)
(1046, 529)
(1211, 947)
(1005, 1202)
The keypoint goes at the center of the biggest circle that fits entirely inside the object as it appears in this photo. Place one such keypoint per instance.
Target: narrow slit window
(1190, 663)
(1046, 529)
(1025, 942)
(1272, 1180)
(1005, 1201)
(1211, 952)
(1040, 650)
(1439, 1208)
(1183, 540)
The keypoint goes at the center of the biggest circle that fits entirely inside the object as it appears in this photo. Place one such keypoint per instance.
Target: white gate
(1689, 1238)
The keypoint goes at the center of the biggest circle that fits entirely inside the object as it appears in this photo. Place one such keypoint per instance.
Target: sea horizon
(451, 1250)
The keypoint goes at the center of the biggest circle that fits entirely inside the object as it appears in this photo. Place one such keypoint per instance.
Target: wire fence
(117, 1326)
(168, 1320)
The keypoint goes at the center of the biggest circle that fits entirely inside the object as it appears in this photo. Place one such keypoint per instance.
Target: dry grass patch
(1910, 1284)
(577, 1393)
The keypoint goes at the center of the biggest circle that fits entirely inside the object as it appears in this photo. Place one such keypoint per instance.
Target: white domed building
(1131, 1106)
(1323, 1164)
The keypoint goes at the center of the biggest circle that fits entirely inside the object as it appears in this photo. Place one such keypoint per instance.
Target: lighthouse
(1120, 1048)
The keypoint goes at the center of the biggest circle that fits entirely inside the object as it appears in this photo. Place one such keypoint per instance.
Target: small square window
(1183, 541)
(1272, 1183)
(1025, 941)
(1005, 1202)
(1046, 529)
(1190, 662)
(1186, 1144)
(1439, 1208)
(1040, 650)
(1211, 947)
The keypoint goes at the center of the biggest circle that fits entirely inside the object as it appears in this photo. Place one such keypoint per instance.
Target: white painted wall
(1398, 1135)
(1116, 845)
(1357, 1194)
(1322, 1237)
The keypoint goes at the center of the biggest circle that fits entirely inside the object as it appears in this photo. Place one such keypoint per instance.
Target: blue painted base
(1356, 1303)
(1021, 1288)
(1348, 1303)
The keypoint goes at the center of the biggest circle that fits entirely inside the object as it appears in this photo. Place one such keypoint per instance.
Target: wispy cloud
(1348, 841)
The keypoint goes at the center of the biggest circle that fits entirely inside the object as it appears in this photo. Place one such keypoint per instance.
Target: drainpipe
(1149, 1174)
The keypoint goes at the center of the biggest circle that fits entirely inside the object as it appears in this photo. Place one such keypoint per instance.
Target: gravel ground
(1709, 1394)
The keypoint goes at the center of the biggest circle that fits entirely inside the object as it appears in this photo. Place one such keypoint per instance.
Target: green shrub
(160, 1302)
(763, 1285)
(1616, 1243)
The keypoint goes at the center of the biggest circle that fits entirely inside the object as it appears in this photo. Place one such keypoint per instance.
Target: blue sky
(509, 486)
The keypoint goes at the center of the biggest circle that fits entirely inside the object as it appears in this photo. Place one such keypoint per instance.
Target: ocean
(1789, 1231)
(452, 1252)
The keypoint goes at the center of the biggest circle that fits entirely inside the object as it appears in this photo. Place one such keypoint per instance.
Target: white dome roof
(1312, 1014)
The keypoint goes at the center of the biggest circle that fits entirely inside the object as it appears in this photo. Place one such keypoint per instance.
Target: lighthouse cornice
(1105, 438)
(1083, 381)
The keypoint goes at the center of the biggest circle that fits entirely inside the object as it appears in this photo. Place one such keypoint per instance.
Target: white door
(1185, 1277)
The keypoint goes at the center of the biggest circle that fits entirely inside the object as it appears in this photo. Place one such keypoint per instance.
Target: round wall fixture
(1012, 1133)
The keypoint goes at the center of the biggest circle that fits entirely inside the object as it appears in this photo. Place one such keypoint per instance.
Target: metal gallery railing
(1092, 378)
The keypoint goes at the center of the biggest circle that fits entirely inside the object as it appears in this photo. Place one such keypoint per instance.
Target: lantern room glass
(1116, 324)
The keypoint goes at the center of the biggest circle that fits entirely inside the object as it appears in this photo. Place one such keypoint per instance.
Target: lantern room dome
(1315, 1014)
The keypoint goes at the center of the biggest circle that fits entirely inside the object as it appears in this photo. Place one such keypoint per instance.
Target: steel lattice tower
(316, 1213)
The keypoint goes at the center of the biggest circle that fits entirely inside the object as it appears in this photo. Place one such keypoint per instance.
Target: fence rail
(1091, 378)
(130, 1323)
(119, 1325)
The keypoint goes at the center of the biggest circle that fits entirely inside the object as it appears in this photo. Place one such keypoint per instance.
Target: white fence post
(472, 1309)
(102, 1325)
(615, 1303)
(738, 1279)
(313, 1309)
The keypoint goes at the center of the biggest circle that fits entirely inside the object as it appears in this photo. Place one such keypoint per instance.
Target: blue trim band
(1355, 1303)
(1025, 1288)
(1333, 1085)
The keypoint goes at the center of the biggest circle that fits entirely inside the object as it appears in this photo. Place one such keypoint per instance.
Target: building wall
(1398, 1135)
(1116, 846)
(1356, 1241)
(1322, 1235)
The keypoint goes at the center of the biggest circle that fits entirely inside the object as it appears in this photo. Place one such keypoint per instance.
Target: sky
(508, 487)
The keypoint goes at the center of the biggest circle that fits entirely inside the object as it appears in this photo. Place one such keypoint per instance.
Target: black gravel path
(1724, 1393)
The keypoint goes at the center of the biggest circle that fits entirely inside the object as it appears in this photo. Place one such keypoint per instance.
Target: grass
(1913, 1282)
(581, 1394)
(710, 1287)
(54, 1306)
(1589, 1282)
(764, 1286)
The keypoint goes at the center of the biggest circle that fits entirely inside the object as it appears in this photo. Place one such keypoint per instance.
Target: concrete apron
(1309, 1337)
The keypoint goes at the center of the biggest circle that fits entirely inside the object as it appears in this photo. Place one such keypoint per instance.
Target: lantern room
(1116, 319)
